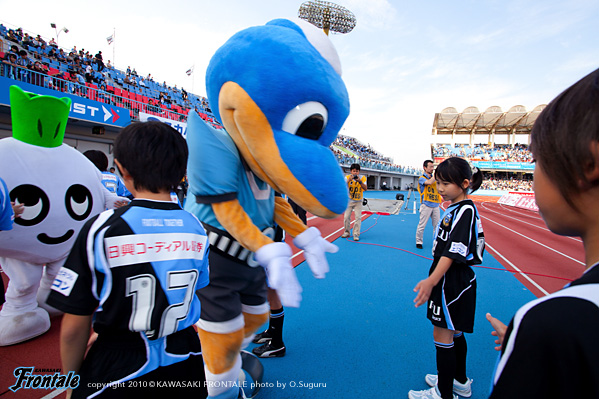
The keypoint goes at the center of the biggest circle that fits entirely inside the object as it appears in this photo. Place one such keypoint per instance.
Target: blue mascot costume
(277, 90)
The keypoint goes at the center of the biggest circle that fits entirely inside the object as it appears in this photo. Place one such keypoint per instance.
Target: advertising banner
(181, 127)
(524, 200)
(81, 108)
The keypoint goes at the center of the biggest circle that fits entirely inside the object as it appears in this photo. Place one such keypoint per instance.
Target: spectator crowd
(511, 183)
(485, 152)
(348, 150)
(34, 60)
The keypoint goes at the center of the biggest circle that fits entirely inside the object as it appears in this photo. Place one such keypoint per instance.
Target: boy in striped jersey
(550, 348)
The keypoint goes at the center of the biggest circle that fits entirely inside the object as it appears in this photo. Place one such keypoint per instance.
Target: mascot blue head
(277, 90)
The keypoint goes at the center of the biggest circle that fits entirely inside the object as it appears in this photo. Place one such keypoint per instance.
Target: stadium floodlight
(53, 25)
(327, 16)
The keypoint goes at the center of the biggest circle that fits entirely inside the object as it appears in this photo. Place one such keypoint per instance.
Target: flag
(110, 39)
(189, 71)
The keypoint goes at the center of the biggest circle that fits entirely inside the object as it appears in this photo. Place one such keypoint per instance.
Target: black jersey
(550, 348)
(459, 236)
(137, 269)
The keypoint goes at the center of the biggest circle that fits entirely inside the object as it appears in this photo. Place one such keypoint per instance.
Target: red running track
(518, 238)
(43, 352)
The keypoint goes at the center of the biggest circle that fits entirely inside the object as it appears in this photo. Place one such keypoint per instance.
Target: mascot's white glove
(314, 247)
(276, 259)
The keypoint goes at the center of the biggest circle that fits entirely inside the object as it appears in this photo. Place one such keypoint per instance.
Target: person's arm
(425, 287)
(430, 181)
(363, 185)
(287, 219)
(74, 335)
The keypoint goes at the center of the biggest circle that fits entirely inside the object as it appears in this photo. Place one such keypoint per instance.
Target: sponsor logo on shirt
(458, 248)
(143, 248)
(65, 281)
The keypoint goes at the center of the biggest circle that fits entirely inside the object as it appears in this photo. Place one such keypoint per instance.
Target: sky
(403, 62)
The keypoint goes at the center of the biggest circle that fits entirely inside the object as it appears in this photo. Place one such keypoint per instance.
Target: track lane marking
(330, 235)
(520, 211)
(536, 242)
(520, 272)
(530, 224)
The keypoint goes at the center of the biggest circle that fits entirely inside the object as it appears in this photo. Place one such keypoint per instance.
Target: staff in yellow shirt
(429, 200)
(356, 185)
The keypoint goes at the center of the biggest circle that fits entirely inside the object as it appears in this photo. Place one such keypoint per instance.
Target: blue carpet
(357, 333)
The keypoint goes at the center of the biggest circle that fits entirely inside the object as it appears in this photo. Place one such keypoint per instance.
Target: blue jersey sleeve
(121, 190)
(6, 213)
(213, 160)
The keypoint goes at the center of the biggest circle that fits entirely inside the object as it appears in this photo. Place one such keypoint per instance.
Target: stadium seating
(109, 86)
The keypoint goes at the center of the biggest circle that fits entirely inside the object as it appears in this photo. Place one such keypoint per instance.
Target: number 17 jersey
(138, 269)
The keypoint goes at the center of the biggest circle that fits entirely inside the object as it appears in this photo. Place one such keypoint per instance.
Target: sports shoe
(267, 350)
(345, 235)
(464, 390)
(419, 246)
(356, 238)
(431, 393)
(262, 338)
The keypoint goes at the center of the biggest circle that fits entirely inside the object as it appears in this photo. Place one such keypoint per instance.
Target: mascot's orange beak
(253, 135)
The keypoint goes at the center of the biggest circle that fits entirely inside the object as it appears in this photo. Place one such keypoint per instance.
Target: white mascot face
(60, 189)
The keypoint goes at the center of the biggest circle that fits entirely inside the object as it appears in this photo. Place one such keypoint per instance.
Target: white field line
(536, 242)
(518, 270)
(513, 209)
(54, 393)
(522, 221)
(327, 237)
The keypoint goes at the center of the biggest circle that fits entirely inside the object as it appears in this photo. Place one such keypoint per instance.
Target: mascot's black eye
(78, 201)
(306, 120)
(36, 202)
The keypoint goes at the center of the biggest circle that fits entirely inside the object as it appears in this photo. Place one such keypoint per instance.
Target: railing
(346, 160)
(89, 91)
(135, 107)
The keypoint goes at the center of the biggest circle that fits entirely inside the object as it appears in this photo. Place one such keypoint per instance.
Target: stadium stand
(29, 58)
(502, 163)
(80, 73)
(349, 150)
(484, 152)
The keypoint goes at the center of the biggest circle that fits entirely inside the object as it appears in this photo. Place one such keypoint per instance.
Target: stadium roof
(517, 120)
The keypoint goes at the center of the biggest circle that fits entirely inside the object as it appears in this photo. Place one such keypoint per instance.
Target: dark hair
(456, 170)
(562, 133)
(426, 163)
(354, 166)
(98, 158)
(154, 154)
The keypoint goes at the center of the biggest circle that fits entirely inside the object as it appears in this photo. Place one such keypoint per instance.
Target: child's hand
(499, 332)
(17, 209)
(120, 204)
(424, 289)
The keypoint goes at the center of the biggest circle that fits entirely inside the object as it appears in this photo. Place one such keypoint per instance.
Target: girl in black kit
(450, 288)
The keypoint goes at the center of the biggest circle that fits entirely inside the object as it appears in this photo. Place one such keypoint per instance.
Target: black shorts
(231, 285)
(110, 360)
(453, 300)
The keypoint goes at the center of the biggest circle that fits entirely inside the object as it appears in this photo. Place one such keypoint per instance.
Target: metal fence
(91, 91)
